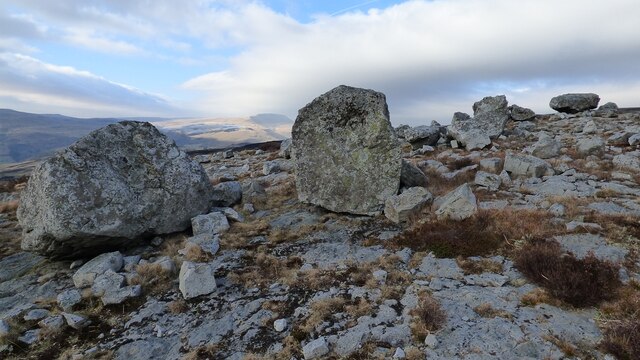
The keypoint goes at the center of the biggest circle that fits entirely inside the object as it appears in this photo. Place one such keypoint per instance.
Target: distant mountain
(26, 136)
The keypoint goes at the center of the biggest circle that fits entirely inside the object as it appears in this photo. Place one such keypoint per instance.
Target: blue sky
(228, 58)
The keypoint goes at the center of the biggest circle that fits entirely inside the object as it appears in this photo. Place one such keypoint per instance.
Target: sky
(233, 58)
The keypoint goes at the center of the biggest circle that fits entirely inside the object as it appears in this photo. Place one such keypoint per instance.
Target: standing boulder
(411, 175)
(574, 103)
(490, 115)
(118, 184)
(347, 156)
(608, 110)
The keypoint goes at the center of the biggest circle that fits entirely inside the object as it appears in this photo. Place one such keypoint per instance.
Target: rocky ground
(537, 258)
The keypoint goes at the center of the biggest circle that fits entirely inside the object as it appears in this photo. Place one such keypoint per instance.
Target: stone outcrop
(574, 103)
(112, 187)
(347, 156)
(490, 115)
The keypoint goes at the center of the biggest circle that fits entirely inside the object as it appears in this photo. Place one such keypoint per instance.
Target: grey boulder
(459, 204)
(227, 194)
(546, 147)
(608, 110)
(526, 165)
(490, 116)
(399, 208)
(591, 146)
(86, 275)
(347, 155)
(519, 113)
(411, 175)
(574, 103)
(196, 279)
(112, 187)
(421, 135)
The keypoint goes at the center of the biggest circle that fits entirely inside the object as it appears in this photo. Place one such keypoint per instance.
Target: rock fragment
(526, 165)
(399, 208)
(574, 103)
(316, 349)
(196, 279)
(459, 204)
(86, 275)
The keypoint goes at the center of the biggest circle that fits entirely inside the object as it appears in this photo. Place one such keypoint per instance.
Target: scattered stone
(491, 181)
(399, 208)
(315, 349)
(557, 209)
(121, 295)
(421, 135)
(583, 244)
(590, 127)
(212, 223)
(76, 321)
(526, 165)
(546, 147)
(207, 242)
(227, 194)
(490, 116)
(285, 148)
(30, 337)
(590, 146)
(399, 354)
(275, 166)
(54, 323)
(109, 281)
(380, 276)
(521, 114)
(227, 154)
(620, 138)
(86, 275)
(459, 204)
(634, 140)
(280, 325)
(627, 161)
(68, 299)
(411, 175)
(454, 144)
(36, 314)
(574, 103)
(17, 265)
(5, 329)
(491, 165)
(196, 279)
(608, 110)
(110, 188)
(431, 341)
(341, 138)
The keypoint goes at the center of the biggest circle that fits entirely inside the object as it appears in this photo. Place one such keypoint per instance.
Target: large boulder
(118, 184)
(574, 103)
(490, 115)
(420, 135)
(519, 113)
(347, 156)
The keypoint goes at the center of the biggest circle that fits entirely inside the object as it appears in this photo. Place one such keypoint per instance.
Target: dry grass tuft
(9, 207)
(209, 351)
(483, 265)
(487, 311)
(579, 282)
(153, 278)
(567, 348)
(178, 306)
(265, 269)
(428, 316)
(538, 296)
(195, 253)
(320, 311)
(621, 323)
(485, 233)
(240, 233)
(439, 185)
(414, 353)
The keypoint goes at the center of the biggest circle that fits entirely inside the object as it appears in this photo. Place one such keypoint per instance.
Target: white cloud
(426, 54)
(27, 84)
(101, 44)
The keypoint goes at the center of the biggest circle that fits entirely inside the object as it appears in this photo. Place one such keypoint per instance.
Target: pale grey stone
(411, 175)
(118, 296)
(574, 103)
(526, 165)
(399, 354)
(54, 323)
(583, 244)
(68, 299)
(579, 225)
(108, 189)
(30, 337)
(546, 147)
(490, 115)
(431, 341)
(521, 114)
(285, 148)
(491, 164)
(626, 161)
(557, 209)
(86, 275)
(634, 140)
(196, 279)
(399, 208)
(212, 223)
(5, 329)
(590, 146)
(590, 127)
(230, 213)
(76, 321)
(207, 242)
(150, 348)
(459, 204)
(109, 281)
(275, 166)
(608, 110)
(490, 181)
(315, 349)
(620, 138)
(380, 276)
(227, 194)
(280, 325)
(36, 314)
(421, 135)
(347, 156)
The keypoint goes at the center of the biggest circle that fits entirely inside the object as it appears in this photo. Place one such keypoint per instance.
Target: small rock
(36, 314)
(459, 204)
(400, 208)
(54, 323)
(380, 276)
(526, 165)
(76, 264)
(207, 242)
(76, 321)
(157, 241)
(431, 341)
(212, 223)
(30, 337)
(109, 281)
(590, 146)
(86, 275)
(546, 148)
(5, 329)
(634, 140)
(196, 279)
(399, 354)
(411, 175)
(227, 194)
(490, 181)
(285, 148)
(280, 325)
(491, 165)
(590, 127)
(521, 114)
(68, 299)
(166, 263)
(315, 349)
(608, 110)
(248, 207)
(121, 295)
(557, 209)
(454, 144)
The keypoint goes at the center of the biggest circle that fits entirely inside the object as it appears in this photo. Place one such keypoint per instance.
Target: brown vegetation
(487, 311)
(579, 282)
(153, 278)
(483, 265)
(621, 323)
(427, 316)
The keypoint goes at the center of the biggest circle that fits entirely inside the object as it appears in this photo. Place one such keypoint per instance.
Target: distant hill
(26, 136)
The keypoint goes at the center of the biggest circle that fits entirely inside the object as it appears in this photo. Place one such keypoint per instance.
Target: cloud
(29, 84)
(432, 57)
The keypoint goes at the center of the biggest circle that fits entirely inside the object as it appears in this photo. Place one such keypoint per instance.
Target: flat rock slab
(347, 155)
(582, 244)
(18, 264)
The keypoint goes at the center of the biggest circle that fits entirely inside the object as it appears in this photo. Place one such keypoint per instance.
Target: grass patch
(621, 323)
(427, 316)
(265, 269)
(153, 278)
(578, 282)
(485, 233)
(487, 311)
(484, 265)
